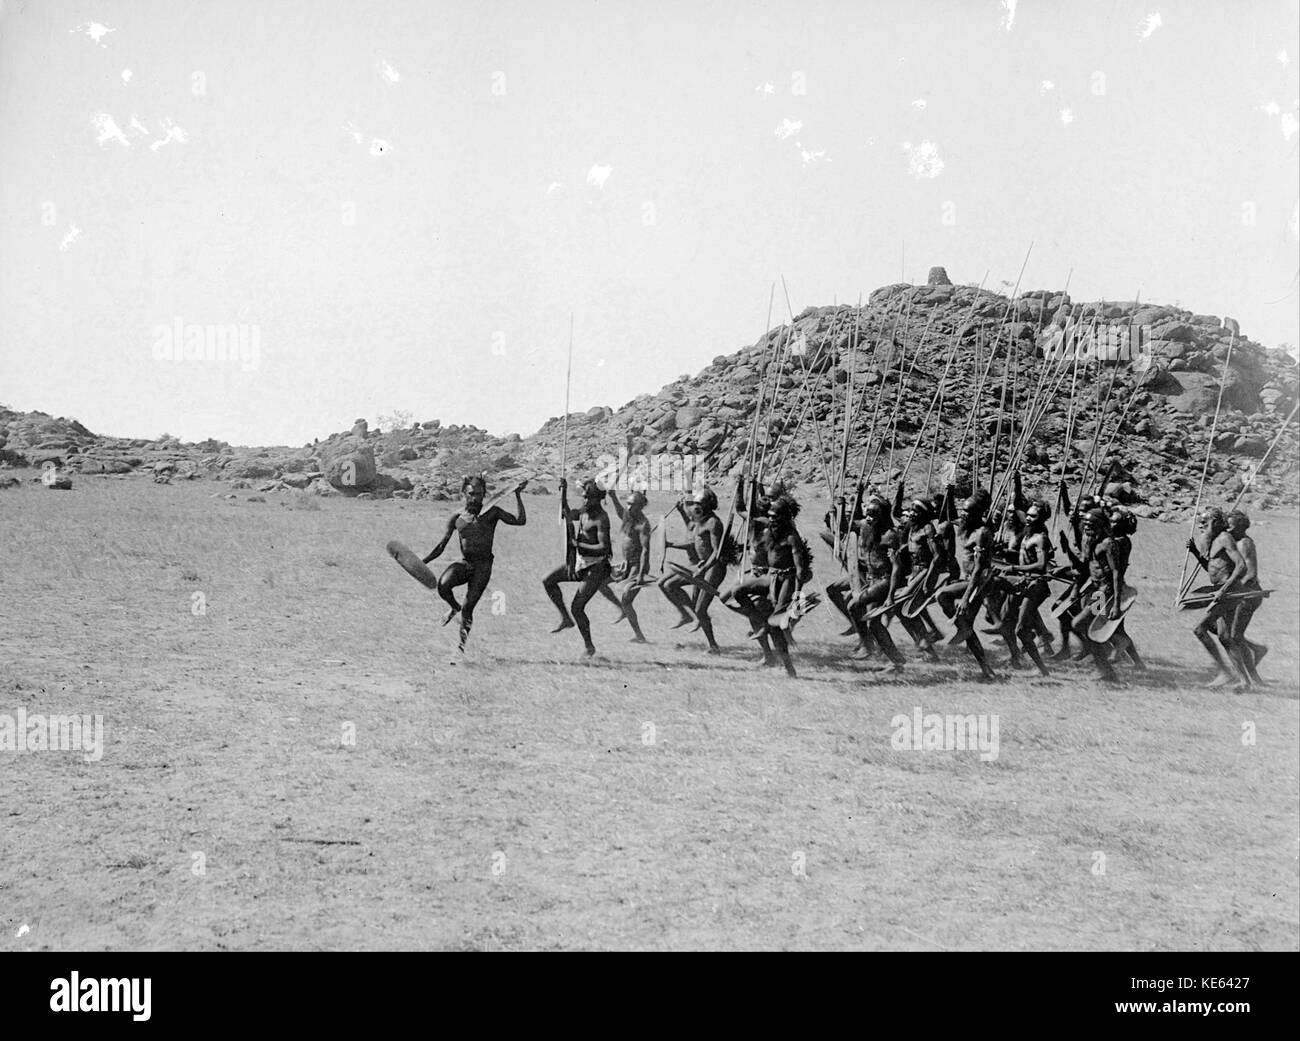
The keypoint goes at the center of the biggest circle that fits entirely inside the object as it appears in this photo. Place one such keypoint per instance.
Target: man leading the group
(477, 531)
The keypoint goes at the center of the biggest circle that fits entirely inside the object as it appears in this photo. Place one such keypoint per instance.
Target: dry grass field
(518, 798)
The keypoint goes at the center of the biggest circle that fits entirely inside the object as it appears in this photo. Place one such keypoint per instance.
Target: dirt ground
(296, 757)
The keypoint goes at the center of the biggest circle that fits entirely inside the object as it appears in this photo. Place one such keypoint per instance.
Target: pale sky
(407, 200)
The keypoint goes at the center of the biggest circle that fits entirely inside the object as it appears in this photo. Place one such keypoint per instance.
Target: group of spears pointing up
(985, 560)
(902, 561)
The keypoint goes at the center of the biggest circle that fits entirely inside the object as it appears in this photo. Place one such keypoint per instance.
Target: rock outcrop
(974, 356)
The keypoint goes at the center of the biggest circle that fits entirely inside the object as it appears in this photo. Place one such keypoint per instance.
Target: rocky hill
(1155, 414)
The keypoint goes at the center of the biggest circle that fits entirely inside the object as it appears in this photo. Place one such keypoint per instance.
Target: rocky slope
(1155, 415)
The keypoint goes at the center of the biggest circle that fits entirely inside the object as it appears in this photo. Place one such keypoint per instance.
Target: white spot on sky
(23, 930)
(765, 88)
(871, 141)
(94, 30)
(789, 128)
(1046, 87)
(1008, 14)
(923, 159)
(1067, 116)
(1150, 24)
(554, 186)
(1283, 57)
(598, 175)
(73, 234)
(135, 124)
(389, 73)
(108, 130)
(811, 157)
(353, 132)
(1294, 223)
(1287, 122)
(919, 103)
(378, 146)
(171, 132)
(126, 75)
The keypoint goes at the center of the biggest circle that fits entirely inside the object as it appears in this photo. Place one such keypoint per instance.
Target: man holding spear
(589, 537)
(961, 599)
(634, 555)
(751, 594)
(1222, 560)
(1251, 653)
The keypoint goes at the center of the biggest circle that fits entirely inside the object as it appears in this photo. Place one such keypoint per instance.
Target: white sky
(650, 168)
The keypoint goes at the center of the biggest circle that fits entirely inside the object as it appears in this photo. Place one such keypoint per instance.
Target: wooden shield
(1102, 627)
(412, 564)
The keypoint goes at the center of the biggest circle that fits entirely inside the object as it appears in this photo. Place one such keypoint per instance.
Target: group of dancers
(904, 561)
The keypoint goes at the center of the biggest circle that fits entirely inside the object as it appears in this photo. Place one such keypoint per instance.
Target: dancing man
(590, 535)
(477, 531)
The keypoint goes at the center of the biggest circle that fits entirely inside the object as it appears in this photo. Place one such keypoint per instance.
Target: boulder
(1173, 330)
(1197, 393)
(938, 276)
(352, 470)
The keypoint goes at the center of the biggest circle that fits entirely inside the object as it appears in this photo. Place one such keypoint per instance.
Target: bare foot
(565, 623)
(715, 649)
(1222, 679)
(638, 639)
(450, 615)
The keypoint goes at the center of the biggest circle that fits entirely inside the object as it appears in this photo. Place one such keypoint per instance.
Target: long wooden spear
(817, 430)
(569, 552)
(1205, 468)
(1256, 471)
(954, 340)
(867, 453)
(747, 471)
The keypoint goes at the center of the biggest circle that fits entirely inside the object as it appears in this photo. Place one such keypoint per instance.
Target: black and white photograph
(599, 476)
